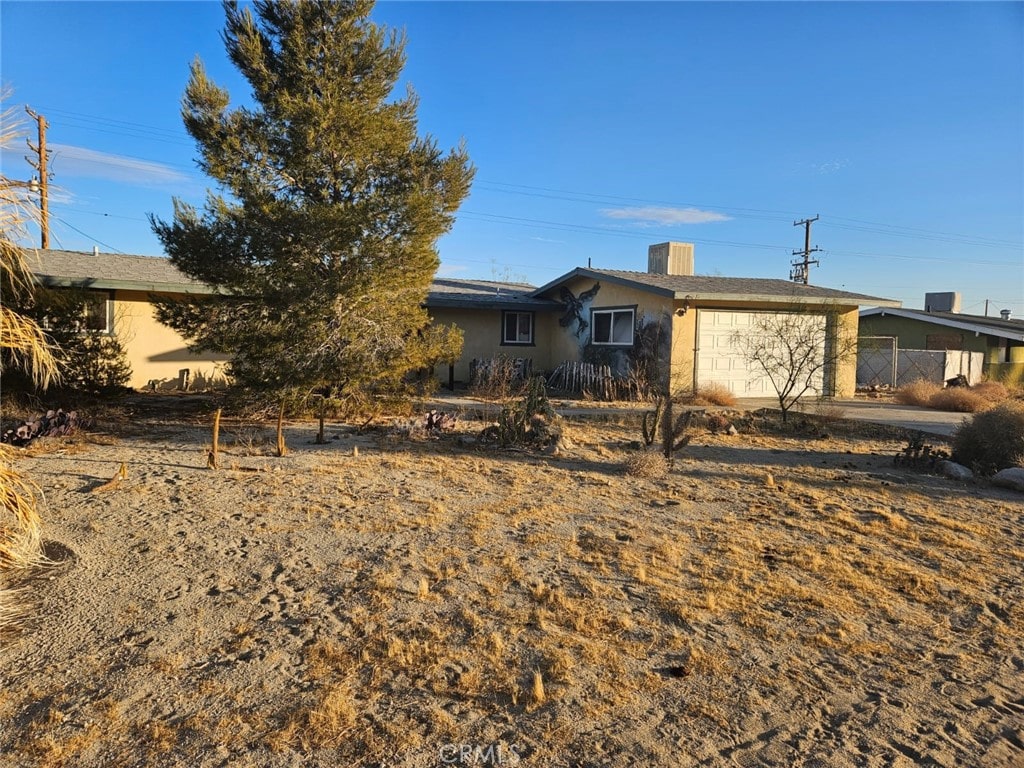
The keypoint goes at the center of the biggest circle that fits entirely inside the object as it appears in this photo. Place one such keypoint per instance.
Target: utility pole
(801, 270)
(40, 166)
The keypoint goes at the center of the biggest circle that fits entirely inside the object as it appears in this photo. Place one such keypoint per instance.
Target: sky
(600, 128)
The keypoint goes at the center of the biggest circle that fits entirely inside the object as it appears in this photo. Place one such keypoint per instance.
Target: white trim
(964, 325)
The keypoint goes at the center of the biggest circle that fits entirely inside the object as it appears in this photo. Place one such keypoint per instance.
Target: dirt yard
(387, 601)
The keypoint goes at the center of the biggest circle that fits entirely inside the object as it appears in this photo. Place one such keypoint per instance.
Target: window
(517, 328)
(96, 313)
(80, 311)
(612, 326)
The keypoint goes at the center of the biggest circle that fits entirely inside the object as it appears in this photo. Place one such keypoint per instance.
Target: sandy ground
(381, 600)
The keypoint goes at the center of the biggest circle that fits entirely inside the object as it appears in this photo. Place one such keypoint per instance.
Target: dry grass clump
(993, 391)
(992, 440)
(646, 464)
(20, 537)
(959, 400)
(917, 393)
(926, 394)
(20, 529)
(713, 394)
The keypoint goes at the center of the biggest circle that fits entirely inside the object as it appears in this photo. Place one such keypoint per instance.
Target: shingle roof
(697, 287)
(451, 293)
(111, 271)
(993, 326)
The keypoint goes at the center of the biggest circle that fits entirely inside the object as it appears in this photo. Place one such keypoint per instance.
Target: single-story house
(599, 314)
(941, 326)
(123, 286)
(587, 314)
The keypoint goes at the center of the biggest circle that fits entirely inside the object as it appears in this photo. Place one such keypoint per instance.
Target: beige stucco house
(124, 287)
(584, 315)
(598, 314)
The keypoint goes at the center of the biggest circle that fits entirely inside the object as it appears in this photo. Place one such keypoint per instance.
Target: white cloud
(830, 166)
(650, 215)
(68, 160)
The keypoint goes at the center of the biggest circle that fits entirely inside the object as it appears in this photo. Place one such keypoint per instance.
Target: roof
(990, 326)
(485, 294)
(115, 271)
(697, 287)
(111, 271)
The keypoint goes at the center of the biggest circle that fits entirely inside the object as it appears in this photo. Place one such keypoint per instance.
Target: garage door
(720, 360)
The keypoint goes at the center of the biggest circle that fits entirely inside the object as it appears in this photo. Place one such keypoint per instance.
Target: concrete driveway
(893, 414)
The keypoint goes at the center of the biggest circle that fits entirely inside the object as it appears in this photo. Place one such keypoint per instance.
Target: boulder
(954, 471)
(1011, 477)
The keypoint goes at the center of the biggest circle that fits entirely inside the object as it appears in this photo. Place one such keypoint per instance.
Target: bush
(646, 464)
(714, 394)
(993, 391)
(992, 440)
(959, 399)
(917, 392)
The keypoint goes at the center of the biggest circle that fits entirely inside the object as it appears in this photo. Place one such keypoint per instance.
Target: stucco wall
(482, 335)
(156, 352)
(566, 345)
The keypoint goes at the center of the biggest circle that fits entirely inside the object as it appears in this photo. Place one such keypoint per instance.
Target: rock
(1011, 477)
(732, 430)
(954, 471)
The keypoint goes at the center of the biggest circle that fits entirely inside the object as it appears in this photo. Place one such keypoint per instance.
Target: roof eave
(105, 284)
(767, 298)
(602, 277)
(964, 325)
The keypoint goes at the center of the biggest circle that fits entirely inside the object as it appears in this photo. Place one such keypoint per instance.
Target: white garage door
(720, 360)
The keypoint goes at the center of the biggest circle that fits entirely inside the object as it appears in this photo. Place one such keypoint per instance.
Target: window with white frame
(517, 328)
(612, 326)
(94, 312)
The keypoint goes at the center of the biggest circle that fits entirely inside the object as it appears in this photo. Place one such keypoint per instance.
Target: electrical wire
(87, 235)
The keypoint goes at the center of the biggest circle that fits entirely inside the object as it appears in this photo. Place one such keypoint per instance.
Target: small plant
(498, 377)
(992, 440)
(649, 464)
(528, 421)
(674, 432)
(919, 455)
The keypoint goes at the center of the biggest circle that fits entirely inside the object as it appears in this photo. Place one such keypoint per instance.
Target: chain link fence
(880, 363)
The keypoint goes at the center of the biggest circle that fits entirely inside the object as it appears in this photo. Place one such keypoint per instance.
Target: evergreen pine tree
(322, 241)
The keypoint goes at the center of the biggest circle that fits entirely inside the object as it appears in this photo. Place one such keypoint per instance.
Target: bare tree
(798, 352)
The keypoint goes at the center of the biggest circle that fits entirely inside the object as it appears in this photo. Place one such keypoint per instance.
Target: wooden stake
(211, 460)
(282, 449)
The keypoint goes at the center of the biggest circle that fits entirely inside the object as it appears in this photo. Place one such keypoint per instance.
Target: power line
(86, 234)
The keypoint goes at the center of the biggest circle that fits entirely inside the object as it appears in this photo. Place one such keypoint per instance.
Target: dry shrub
(992, 440)
(714, 394)
(958, 399)
(917, 392)
(646, 464)
(20, 538)
(20, 530)
(993, 391)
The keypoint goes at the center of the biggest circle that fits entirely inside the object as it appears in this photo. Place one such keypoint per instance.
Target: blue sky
(600, 128)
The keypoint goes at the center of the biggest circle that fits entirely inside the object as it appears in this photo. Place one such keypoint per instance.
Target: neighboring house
(999, 339)
(590, 315)
(123, 287)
